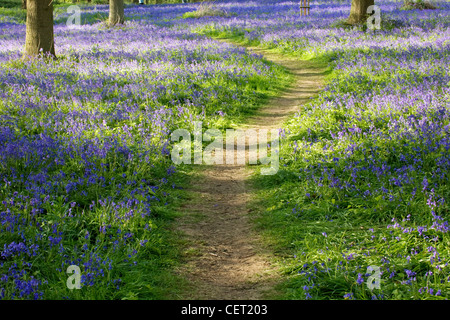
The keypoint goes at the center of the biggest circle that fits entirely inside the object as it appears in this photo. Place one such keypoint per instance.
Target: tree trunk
(358, 11)
(39, 34)
(24, 4)
(116, 12)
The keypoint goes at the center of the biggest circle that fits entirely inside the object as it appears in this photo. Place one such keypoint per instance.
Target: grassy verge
(335, 216)
(120, 269)
(106, 207)
(326, 252)
(363, 168)
(153, 278)
(15, 14)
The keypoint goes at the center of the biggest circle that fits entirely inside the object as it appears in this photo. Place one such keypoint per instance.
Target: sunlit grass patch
(206, 9)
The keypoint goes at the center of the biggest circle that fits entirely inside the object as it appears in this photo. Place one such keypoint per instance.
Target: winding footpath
(225, 258)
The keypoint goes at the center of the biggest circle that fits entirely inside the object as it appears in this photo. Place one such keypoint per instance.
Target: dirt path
(225, 259)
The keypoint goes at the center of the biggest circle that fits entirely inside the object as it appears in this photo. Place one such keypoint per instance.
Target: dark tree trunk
(116, 12)
(39, 34)
(24, 4)
(358, 11)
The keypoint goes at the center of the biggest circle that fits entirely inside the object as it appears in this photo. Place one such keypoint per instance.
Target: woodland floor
(225, 258)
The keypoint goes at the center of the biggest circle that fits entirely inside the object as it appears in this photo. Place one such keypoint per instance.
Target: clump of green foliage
(206, 9)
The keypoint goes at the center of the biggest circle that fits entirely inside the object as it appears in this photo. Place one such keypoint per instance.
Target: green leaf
(140, 197)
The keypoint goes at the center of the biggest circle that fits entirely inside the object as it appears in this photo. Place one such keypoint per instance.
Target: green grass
(10, 3)
(313, 262)
(153, 276)
(16, 14)
(322, 239)
(12, 10)
(206, 9)
(145, 273)
(417, 4)
(238, 37)
(314, 228)
(325, 239)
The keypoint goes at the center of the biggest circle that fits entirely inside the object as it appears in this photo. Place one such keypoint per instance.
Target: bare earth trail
(225, 259)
